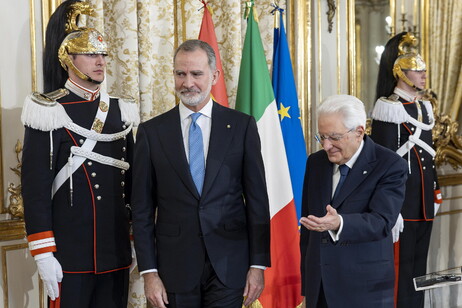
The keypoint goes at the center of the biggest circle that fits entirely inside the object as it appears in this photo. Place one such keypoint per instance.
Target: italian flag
(255, 97)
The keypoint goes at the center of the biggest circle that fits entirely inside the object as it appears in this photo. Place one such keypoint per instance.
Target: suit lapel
(358, 174)
(171, 139)
(221, 134)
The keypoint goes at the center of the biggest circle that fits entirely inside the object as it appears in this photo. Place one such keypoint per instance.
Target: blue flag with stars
(289, 112)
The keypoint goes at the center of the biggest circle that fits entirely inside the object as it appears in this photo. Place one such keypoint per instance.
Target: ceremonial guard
(75, 170)
(402, 121)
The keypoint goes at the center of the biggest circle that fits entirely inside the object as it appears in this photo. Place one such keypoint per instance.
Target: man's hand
(51, 273)
(154, 290)
(331, 221)
(254, 285)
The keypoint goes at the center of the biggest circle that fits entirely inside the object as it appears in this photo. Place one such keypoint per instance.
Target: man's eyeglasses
(332, 138)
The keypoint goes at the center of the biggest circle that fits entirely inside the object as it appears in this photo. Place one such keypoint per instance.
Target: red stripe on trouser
(57, 302)
(396, 253)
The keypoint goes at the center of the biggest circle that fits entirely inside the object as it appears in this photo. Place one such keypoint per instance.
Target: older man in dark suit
(353, 193)
(199, 167)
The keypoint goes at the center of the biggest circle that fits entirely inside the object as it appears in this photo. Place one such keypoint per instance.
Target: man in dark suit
(353, 193)
(200, 206)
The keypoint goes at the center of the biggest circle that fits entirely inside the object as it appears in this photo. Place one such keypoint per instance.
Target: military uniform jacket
(391, 128)
(86, 223)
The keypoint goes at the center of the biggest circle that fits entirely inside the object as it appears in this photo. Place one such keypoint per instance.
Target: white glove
(437, 207)
(399, 227)
(51, 273)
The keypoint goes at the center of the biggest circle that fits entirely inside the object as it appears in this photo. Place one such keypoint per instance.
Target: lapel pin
(364, 172)
(228, 126)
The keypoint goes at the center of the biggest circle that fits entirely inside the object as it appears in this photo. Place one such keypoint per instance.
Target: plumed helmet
(408, 59)
(80, 40)
(63, 38)
(84, 41)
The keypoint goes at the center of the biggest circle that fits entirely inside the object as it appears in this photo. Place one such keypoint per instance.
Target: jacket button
(122, 159)
(124, 149)
(93, 174)
(96, 186)
(81, 141)
(124, 126)
(122, 184)
(422, 159)
(123, 195)
(98, 197)
(424, 168)
(122, 171)
(90, 163)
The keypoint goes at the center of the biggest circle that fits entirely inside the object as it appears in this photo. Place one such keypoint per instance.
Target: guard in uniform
(403, 121)
(76, 172)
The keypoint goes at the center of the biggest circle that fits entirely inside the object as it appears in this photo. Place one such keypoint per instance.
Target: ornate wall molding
(4, 250)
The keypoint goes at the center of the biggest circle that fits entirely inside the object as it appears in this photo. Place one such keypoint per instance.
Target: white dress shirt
(335, 235)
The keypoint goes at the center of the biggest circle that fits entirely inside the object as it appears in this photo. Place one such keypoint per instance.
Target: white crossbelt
(415, 138)
(74, 163)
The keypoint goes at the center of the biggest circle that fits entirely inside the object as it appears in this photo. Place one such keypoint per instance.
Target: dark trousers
(413, 251)
(322, 302)
(88, 290)
(210, 293)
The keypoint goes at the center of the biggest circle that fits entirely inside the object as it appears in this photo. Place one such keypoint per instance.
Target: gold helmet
(80, 40)
(408, 59)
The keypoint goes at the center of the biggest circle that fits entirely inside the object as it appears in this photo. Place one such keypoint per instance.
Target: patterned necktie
(344, 169)
(196, 153)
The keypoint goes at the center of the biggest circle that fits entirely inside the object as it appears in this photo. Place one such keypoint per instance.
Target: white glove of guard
(399, 227)
(51, 273)
(437, 207)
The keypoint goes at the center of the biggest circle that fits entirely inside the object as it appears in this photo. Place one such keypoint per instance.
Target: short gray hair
(349, 107)
(193, 45)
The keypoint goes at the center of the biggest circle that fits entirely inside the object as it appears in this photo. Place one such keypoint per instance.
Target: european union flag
(289, 112)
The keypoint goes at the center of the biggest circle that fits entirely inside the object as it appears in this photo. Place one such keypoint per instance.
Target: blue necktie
(196, 153)
(344, 169)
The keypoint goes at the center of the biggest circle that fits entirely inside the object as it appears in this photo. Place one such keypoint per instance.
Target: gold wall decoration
(330, 14)
(16, 208)
(448, 148)
(14, 228)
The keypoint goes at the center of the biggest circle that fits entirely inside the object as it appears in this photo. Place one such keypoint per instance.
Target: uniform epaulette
(389, 109)
(42, 111)
(49, 99)
(129, 110)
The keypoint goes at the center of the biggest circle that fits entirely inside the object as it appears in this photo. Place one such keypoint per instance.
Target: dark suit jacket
(356, 271)
(230, 221)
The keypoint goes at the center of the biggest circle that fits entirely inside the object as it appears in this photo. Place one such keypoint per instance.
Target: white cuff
(335, 235)
(154, 270)
(259, 267)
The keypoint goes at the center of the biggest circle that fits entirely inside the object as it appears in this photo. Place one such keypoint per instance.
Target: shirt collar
(353, 158)
(185, 112)
(83, 92)
(410, 97)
